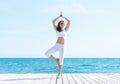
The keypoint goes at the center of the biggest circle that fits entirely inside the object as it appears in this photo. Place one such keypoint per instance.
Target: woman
(61, 31)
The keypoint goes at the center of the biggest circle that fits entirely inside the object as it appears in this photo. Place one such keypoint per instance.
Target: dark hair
(58, 26)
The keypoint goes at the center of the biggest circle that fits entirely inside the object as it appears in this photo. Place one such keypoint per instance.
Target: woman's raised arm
(68, 23)
(53, 22)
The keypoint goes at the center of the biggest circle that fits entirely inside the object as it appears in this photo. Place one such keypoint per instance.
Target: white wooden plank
(106, 79)
(59, 81)
(79, 81)
(95, 78)
(53, 79)
(91, 81)
(82, 78)
(115, 76)
(70, 79)
(102, 79)
(65, 79)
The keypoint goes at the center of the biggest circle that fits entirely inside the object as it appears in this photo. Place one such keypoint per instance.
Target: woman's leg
(59, 71)
(50, 51)
(54, 58)
(61, 58)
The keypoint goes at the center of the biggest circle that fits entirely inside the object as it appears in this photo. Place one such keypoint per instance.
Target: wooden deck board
(53, 79)
(95, 79)
(83, 79)
(77, 79)
(66, 79)
(90, 80)
(70, 78)
(106, 79)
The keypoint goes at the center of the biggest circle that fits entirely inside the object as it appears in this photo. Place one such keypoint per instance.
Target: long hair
(58, 26)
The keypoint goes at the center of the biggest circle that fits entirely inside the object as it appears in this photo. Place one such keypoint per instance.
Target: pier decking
(66, 79)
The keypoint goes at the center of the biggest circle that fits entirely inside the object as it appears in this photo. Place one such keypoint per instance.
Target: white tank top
(62, 34)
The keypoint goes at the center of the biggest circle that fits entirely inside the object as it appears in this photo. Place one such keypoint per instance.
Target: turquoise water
(71, 65)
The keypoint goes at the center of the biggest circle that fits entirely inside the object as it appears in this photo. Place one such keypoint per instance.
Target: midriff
(60, 40)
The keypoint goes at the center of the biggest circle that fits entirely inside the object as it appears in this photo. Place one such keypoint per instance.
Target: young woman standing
(61, 31)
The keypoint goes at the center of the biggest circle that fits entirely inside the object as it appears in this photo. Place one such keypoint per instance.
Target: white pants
(57, 47)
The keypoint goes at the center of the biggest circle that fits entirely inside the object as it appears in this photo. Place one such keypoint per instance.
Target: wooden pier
(66, 79)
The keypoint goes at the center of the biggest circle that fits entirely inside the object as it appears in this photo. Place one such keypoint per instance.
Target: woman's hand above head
(68, 21)
(60, 14)
(63, 17)
(67, 25)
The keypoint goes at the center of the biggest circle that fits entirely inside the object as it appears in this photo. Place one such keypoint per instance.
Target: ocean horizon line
(64, 57)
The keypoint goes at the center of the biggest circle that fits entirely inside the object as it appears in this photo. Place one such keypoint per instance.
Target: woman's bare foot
(59, 76)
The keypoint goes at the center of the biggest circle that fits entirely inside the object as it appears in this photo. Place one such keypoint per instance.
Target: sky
(26, 29)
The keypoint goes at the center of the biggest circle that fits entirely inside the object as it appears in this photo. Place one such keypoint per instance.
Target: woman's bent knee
(47, 54)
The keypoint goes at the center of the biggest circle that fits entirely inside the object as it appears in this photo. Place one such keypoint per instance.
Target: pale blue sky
(26, 29)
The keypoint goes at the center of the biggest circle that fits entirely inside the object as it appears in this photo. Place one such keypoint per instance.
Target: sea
(71, 65)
